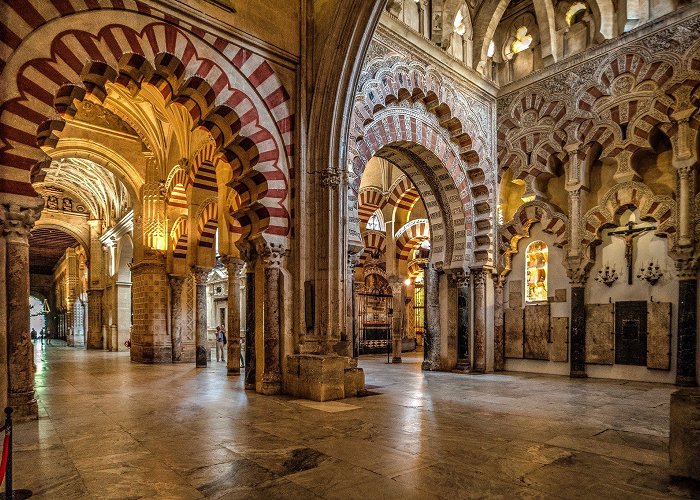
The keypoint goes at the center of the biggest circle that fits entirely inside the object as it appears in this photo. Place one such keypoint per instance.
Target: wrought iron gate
(419, 313)
(374, 318)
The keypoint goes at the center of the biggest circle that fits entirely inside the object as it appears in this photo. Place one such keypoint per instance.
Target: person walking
(219, 343)
(42, 336)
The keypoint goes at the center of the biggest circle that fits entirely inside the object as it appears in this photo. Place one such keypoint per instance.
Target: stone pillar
(94, 333)
(200, 275)
(16, 224)
(463, 321)
(686, 374)
(271, 256)
(397, 318)
(499, 347)
(685, 177)
(479, 364)
(150, 342)
(250, 365)
(431, 337)
(176, 283)
(577, 278)
(234, 267)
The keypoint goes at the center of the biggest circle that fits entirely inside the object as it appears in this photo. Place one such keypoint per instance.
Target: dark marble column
(397, 319)
(686, 374)
(578, 332)
(234, 267)
(250, 365)
(200, 275)
(16, 224)
(431, 336)
(271, 259)
(499, 339)
(479, 364)
(463, 320)
(176, 283)
(94, 334)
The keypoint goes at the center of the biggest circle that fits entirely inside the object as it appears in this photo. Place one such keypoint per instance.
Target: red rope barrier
(5, 456)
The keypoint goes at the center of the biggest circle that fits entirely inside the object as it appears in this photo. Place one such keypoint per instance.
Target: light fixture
(407, 281)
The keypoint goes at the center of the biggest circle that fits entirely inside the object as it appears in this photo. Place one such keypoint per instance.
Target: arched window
(522, 40)
(376, 221)
(575, 13)
(536, 262)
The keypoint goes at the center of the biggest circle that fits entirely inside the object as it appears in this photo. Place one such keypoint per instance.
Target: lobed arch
(225, 89)
(623, 197)
(533, 212)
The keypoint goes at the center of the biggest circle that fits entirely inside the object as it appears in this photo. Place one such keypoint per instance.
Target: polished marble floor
(112, 429)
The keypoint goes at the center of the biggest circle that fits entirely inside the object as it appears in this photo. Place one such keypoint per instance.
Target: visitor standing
(219, 343)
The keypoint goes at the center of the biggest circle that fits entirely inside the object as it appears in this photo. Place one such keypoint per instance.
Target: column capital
(577, 270)
(234, 265)
(462, 278)
(271, 253)
(200, 274)
(479, 275)
(176, 281)
(687, 265)
(18, 221)
(330, 178)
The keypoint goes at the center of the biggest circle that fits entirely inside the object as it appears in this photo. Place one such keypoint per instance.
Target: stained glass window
(536, 260)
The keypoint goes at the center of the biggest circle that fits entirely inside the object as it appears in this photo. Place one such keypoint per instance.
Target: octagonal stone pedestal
(323, 378)
(684, 446)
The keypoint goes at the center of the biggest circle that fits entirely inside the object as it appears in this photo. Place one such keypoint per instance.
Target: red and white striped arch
(403, 194)
(207, 223)
(232, 92)
(410, 237)
(374, 241)
(176, 188)
(370, 200)
(178, 238)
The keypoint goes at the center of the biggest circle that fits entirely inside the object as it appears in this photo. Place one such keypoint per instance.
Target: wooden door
(631, 333)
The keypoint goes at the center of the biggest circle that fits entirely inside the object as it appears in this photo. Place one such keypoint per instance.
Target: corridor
(109, 428)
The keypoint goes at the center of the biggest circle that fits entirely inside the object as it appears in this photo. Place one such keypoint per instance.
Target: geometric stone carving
(514, 332)
(659, 335)
(559, 345)
(536, 332)
(600, 340)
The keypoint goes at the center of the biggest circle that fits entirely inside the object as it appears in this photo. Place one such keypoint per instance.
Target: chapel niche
(576, 27)
(536, 262)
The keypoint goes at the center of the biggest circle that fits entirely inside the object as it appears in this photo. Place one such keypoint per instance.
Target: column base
(684, 381)
(24, 405)
(150, 354)
(463, 365)
(477, 371)
(429, 366)
(396, 359)
(201, 357)
(249, 387)
(684, 440)
(578, 374)
(234, 372)
(323, 377)
(271, 385)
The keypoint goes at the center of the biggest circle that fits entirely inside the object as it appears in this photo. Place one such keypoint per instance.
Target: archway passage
(46, 247)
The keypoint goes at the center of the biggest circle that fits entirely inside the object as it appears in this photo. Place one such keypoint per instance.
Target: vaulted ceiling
(46, 247)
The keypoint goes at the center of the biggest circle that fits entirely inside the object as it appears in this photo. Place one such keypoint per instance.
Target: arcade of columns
(211, 134)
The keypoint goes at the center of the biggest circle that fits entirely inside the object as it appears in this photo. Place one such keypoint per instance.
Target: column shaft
(150, 342)
(202, 344)
(463, 323)
(397, 321)
(250, 366)
(479, 364)
(94, 334)
(233, 347)
(176, 283)
(431, 338)
(272, 374)
(499, 353)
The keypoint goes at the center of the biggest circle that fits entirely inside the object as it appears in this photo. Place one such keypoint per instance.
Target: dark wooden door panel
(631, 333)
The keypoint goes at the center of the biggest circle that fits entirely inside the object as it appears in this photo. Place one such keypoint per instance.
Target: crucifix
(629, 233)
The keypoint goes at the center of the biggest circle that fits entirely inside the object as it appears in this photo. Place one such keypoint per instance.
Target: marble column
(94, 333)
(250, 365)
(234, 267)
(397, 318)
(431, 336)
(271, 259)
(578, 275)
(479, 364)
(16, 224)
(686, 369)
(176, 283)
(463, 321)
(200, 275)
(499, 343)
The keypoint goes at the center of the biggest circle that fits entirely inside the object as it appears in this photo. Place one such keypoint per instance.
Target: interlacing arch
(178, 238)
(630, 196)
(231, 92)
(410, 236)
(207, 223)
(511, 232)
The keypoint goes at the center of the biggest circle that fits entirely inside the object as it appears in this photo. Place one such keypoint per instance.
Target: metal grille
(419, 312)
(374, 318)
